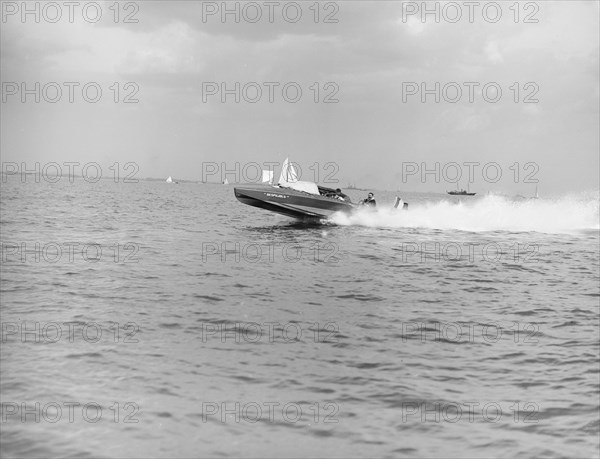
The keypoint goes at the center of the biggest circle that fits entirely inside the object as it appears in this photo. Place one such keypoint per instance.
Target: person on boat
(341, 196)
(370, 201)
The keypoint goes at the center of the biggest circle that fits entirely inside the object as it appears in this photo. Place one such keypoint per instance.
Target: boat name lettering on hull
(277, 195)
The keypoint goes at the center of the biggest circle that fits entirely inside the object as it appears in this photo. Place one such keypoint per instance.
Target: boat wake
(490, 213)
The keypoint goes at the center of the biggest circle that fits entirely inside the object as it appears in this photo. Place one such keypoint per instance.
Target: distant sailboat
(169, 179)
(225, 182)
(537, 196)
(288, 173)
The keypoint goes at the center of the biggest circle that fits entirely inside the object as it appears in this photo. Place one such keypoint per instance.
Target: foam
(490, 213)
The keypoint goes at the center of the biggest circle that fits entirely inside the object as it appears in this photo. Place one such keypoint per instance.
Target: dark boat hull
(458, 193)
(292, 203)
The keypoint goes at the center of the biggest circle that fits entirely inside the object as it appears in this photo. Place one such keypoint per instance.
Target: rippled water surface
(206, 328)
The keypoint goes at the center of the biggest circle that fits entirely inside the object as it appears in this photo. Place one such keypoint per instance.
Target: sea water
(169, 320)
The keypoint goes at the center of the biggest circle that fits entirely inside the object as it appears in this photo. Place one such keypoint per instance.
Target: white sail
(169, 179)
(289, 178)
(225, 182)
(267, 176)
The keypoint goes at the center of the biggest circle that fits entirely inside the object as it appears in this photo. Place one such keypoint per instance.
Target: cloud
(368, 53)
(493, 53)
(173, 48)
(413, 25)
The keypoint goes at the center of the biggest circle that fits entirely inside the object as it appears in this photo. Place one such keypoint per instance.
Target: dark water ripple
(377, 351)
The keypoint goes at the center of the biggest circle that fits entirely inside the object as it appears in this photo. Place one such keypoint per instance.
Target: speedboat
(298, 199)
(295, 203)
(293, 197)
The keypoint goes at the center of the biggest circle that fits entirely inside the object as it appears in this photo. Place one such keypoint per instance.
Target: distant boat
(352, 186)
(225, 182)
(461, 192)
(169, 179)
(537, 196)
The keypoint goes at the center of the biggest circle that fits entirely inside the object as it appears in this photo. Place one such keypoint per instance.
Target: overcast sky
(176, 58)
